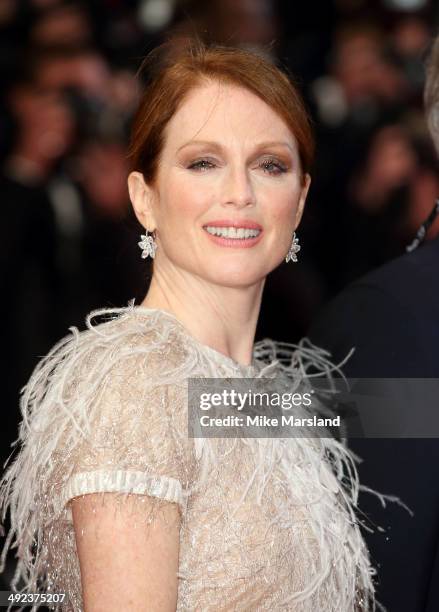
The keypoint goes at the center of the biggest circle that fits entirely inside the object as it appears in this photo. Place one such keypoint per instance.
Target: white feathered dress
(266, 524)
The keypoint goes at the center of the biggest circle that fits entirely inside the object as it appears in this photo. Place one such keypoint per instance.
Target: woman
(128, 512)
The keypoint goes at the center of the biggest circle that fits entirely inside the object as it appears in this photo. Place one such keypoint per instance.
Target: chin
(238, 275)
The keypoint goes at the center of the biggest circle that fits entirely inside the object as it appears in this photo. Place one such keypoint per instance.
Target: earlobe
(140, 196)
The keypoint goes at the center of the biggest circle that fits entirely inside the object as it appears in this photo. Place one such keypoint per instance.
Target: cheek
(283, 208)
(184, 202)
(180, 210)
(281, 218)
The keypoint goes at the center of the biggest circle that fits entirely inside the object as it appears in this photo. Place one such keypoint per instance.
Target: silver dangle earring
(294, 248)
(148, 245)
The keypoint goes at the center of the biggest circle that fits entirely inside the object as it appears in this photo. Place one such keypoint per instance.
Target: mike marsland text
(265, 421)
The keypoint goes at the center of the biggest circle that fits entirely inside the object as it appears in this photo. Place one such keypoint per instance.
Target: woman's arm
(127, 563)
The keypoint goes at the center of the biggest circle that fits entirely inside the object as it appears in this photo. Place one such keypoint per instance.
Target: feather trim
(320, 473)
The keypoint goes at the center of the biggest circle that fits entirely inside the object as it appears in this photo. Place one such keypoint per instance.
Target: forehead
(226, 113)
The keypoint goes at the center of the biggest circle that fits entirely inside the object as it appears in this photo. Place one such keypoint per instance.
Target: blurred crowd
(69, 90)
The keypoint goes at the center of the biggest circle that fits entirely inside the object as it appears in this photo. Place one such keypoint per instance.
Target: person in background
(390, 195)
(391, 317)
(109, 246)
(31, 272)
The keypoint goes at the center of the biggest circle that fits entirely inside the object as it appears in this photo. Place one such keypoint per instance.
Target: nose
(238, 189)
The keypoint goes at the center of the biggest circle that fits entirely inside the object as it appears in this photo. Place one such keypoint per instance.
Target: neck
(223, 318)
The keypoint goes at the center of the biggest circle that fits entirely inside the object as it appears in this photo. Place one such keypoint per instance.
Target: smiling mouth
(236, 233)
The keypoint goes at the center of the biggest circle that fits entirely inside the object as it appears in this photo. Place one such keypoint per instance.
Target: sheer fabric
(265, 524)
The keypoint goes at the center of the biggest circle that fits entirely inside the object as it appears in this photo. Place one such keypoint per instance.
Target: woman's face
(228, 160)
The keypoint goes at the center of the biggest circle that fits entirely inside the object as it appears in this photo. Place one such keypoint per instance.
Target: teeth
(233, 232)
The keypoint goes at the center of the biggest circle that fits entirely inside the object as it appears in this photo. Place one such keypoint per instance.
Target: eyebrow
(219, 147)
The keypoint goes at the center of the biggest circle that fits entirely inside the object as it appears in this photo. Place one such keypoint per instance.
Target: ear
(302, 199)
(142, 196)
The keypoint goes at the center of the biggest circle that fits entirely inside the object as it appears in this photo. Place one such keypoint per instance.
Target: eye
(270, 166)
(201, 165)
(273, 166)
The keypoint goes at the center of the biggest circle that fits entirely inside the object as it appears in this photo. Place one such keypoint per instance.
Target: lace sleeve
(103, 412)
(133, 442)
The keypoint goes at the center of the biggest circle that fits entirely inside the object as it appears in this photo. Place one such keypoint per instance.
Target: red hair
(178, 66)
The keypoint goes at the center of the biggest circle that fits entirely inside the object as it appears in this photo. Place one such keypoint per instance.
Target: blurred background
(68, 93)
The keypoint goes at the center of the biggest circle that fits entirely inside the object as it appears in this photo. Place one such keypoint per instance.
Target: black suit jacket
(391, 316)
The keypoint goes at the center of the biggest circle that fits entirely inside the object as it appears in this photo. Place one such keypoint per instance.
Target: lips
(244, 223)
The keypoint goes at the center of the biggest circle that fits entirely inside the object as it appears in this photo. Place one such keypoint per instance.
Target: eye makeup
(271, 165)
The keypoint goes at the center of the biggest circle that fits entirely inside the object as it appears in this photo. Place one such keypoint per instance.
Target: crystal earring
(294, 248)
(148, 245)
